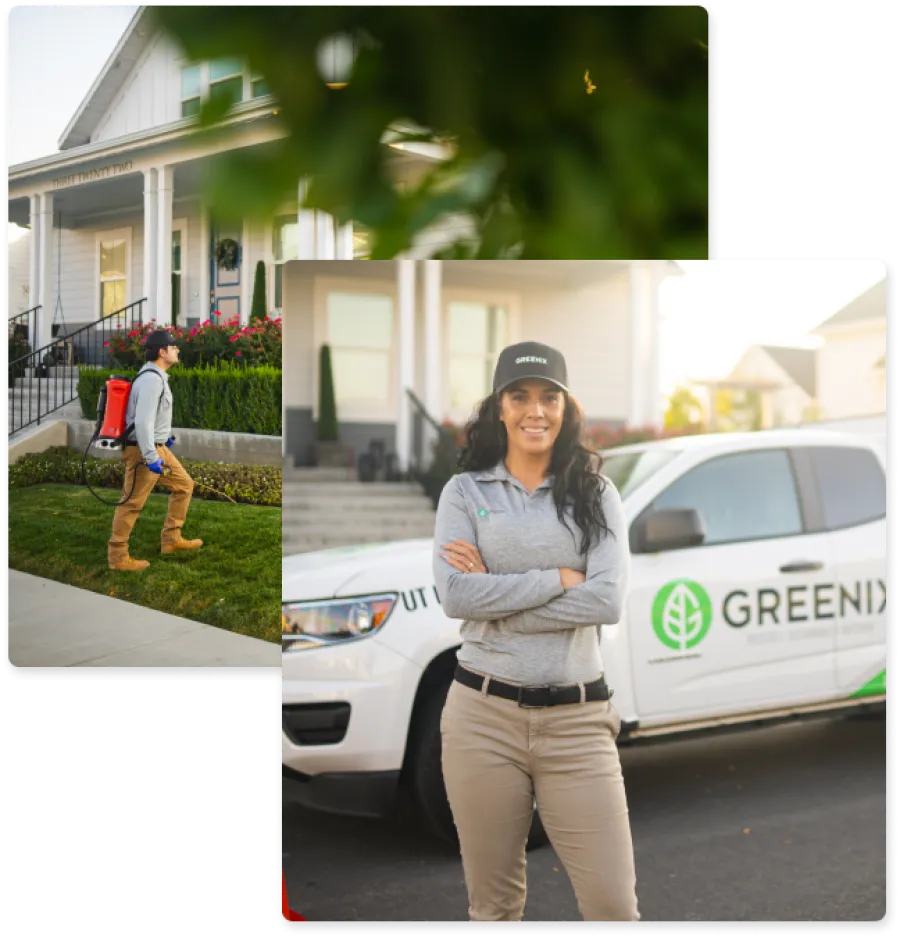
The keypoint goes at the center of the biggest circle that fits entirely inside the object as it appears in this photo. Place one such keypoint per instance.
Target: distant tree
(327, 426)
(571, 132)
(684, 412)
(258, 308)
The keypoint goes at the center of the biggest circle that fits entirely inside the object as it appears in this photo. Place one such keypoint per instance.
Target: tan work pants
(498, 758)
(126, 515)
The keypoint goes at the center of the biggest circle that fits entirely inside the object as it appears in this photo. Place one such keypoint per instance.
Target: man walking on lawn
(147, 455)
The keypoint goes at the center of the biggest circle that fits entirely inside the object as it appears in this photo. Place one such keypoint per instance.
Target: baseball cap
(160, 339)
(530, 360)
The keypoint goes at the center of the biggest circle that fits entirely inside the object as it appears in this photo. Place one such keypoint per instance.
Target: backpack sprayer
(111, 433)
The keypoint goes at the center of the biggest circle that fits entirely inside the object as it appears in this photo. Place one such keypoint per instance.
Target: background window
(285, 247)
(226, 80)
(259, 87)
(176, 277)
(113, 261)
(851, 484)
(477, 334)
(742, 497)
(360, 333)
(190, 90)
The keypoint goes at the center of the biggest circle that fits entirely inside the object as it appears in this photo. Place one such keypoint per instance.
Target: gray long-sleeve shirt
(519, 622)
(150, 410)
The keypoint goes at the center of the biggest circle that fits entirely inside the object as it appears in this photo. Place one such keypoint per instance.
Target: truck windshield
(629, 470)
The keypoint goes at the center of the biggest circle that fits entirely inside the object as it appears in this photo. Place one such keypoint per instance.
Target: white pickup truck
(757, 593)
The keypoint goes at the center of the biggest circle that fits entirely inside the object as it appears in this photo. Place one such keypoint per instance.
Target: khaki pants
(126, 515)
(497, 758)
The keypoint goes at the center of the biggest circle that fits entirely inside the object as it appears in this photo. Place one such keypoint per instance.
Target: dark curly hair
(575, 468)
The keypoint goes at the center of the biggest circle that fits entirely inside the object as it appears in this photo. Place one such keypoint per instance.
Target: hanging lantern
(335, 56)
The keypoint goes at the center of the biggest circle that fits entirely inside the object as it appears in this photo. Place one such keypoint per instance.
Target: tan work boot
(129, 563)
(182, 544)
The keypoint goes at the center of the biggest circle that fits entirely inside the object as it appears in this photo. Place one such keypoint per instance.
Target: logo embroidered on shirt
(482, 512)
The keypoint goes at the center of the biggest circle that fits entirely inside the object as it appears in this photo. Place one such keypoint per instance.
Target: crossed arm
(536, 601)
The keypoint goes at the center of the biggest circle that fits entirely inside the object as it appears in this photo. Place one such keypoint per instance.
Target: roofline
(103, 73)
(848, 324)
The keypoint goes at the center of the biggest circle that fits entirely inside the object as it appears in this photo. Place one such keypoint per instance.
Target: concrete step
(302, 545)
(61, 381)
(317, 474)
(336, 490)
(386, 523)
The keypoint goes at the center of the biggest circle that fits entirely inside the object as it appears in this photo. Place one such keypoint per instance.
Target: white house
(851, 359)
(116, 215)
(435, 328)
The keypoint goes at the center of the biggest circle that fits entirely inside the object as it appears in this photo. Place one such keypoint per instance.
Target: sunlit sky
(710, 315)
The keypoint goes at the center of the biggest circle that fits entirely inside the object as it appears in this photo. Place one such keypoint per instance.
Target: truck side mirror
(667, 529)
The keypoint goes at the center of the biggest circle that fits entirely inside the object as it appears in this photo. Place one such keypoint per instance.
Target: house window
(259, 88)
(285, 247)
(360, 333)
(113, 276)
(190, 90)
(226, 80)
(477, 334)
(176, 276)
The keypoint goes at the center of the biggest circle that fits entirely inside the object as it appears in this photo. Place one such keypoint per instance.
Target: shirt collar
(499, 473)
(157, 369)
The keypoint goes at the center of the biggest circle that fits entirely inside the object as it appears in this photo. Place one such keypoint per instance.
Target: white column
(151, 244)
(205, 286)
(433, 347)
(655, 406)
(45, 277)
(406, 322)
(343, 248)
(306, 226)
(324, 236)
(34, 259)
(164, 184)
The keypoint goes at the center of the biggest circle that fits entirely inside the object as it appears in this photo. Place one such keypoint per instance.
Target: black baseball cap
(530, 360)
(160, 339)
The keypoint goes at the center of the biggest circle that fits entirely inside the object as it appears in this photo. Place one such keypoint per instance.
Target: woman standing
(531, 551)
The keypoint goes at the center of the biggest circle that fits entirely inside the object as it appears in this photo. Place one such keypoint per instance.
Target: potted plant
(258, 306)
(228, 253)
(329, 451)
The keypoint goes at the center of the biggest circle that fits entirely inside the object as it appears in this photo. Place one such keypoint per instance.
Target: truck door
(732, 624)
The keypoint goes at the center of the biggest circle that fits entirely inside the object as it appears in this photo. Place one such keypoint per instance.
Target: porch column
(306, 226)
(151, 244)
(433, 348)
(204, 305)
(324, 236)
(45, 277)
(34, 265)
(655, 407)
(164, 184)
(406, 321)
(637, 310)
(343, 248)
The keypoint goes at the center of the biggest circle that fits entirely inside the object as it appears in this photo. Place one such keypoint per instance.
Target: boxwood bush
(255, 485)
(223, 397)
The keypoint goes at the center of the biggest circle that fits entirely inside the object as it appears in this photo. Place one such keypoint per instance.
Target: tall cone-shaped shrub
(258, 306)
(327, 425)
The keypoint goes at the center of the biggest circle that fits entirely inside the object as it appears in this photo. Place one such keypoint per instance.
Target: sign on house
(102, 172)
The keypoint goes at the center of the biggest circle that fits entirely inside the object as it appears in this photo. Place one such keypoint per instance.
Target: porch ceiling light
(335, 56)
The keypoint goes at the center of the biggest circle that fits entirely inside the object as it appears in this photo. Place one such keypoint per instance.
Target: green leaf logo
(482, 512)
(681, 614)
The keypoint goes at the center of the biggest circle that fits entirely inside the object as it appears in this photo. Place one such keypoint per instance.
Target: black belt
(543, 695)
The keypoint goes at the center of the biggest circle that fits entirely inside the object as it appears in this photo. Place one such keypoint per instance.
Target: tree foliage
(571, 132)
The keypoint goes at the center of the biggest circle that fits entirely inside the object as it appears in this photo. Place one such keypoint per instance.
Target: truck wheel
(428, 779)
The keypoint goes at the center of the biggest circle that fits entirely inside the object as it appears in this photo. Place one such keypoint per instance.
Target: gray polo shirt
(518, 621)
(150, 410)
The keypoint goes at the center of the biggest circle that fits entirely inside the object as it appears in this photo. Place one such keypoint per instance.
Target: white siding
(591, 328)
(849, 383)
(150, 95)
(19, 269)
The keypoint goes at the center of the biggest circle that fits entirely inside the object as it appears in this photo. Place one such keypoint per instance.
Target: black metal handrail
(35, 392)
(429, 469)
(24, 326)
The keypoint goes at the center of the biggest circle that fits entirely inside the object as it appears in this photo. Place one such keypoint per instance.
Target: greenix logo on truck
(682, 611)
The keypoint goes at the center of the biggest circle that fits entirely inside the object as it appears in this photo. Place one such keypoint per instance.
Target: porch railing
(23, 328)
(432, 456)
(46, 379)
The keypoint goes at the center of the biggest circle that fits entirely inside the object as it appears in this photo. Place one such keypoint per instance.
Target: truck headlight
(328, 621)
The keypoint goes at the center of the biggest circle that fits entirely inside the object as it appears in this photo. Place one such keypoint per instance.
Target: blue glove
(156, 466)
(170, 442)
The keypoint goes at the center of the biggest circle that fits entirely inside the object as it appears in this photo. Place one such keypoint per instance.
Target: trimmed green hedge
(255, 485)
(223, 397)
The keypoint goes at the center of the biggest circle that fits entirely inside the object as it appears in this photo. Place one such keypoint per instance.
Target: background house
(435, 328)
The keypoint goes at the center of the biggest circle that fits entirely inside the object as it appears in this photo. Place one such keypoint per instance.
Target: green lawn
(233, 581)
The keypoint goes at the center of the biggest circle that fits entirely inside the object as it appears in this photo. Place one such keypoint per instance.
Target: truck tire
(427, 777)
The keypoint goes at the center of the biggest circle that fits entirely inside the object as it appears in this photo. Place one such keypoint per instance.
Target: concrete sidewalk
(55, 625)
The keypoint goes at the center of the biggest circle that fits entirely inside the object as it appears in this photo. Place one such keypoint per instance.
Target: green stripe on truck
(873, 686)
